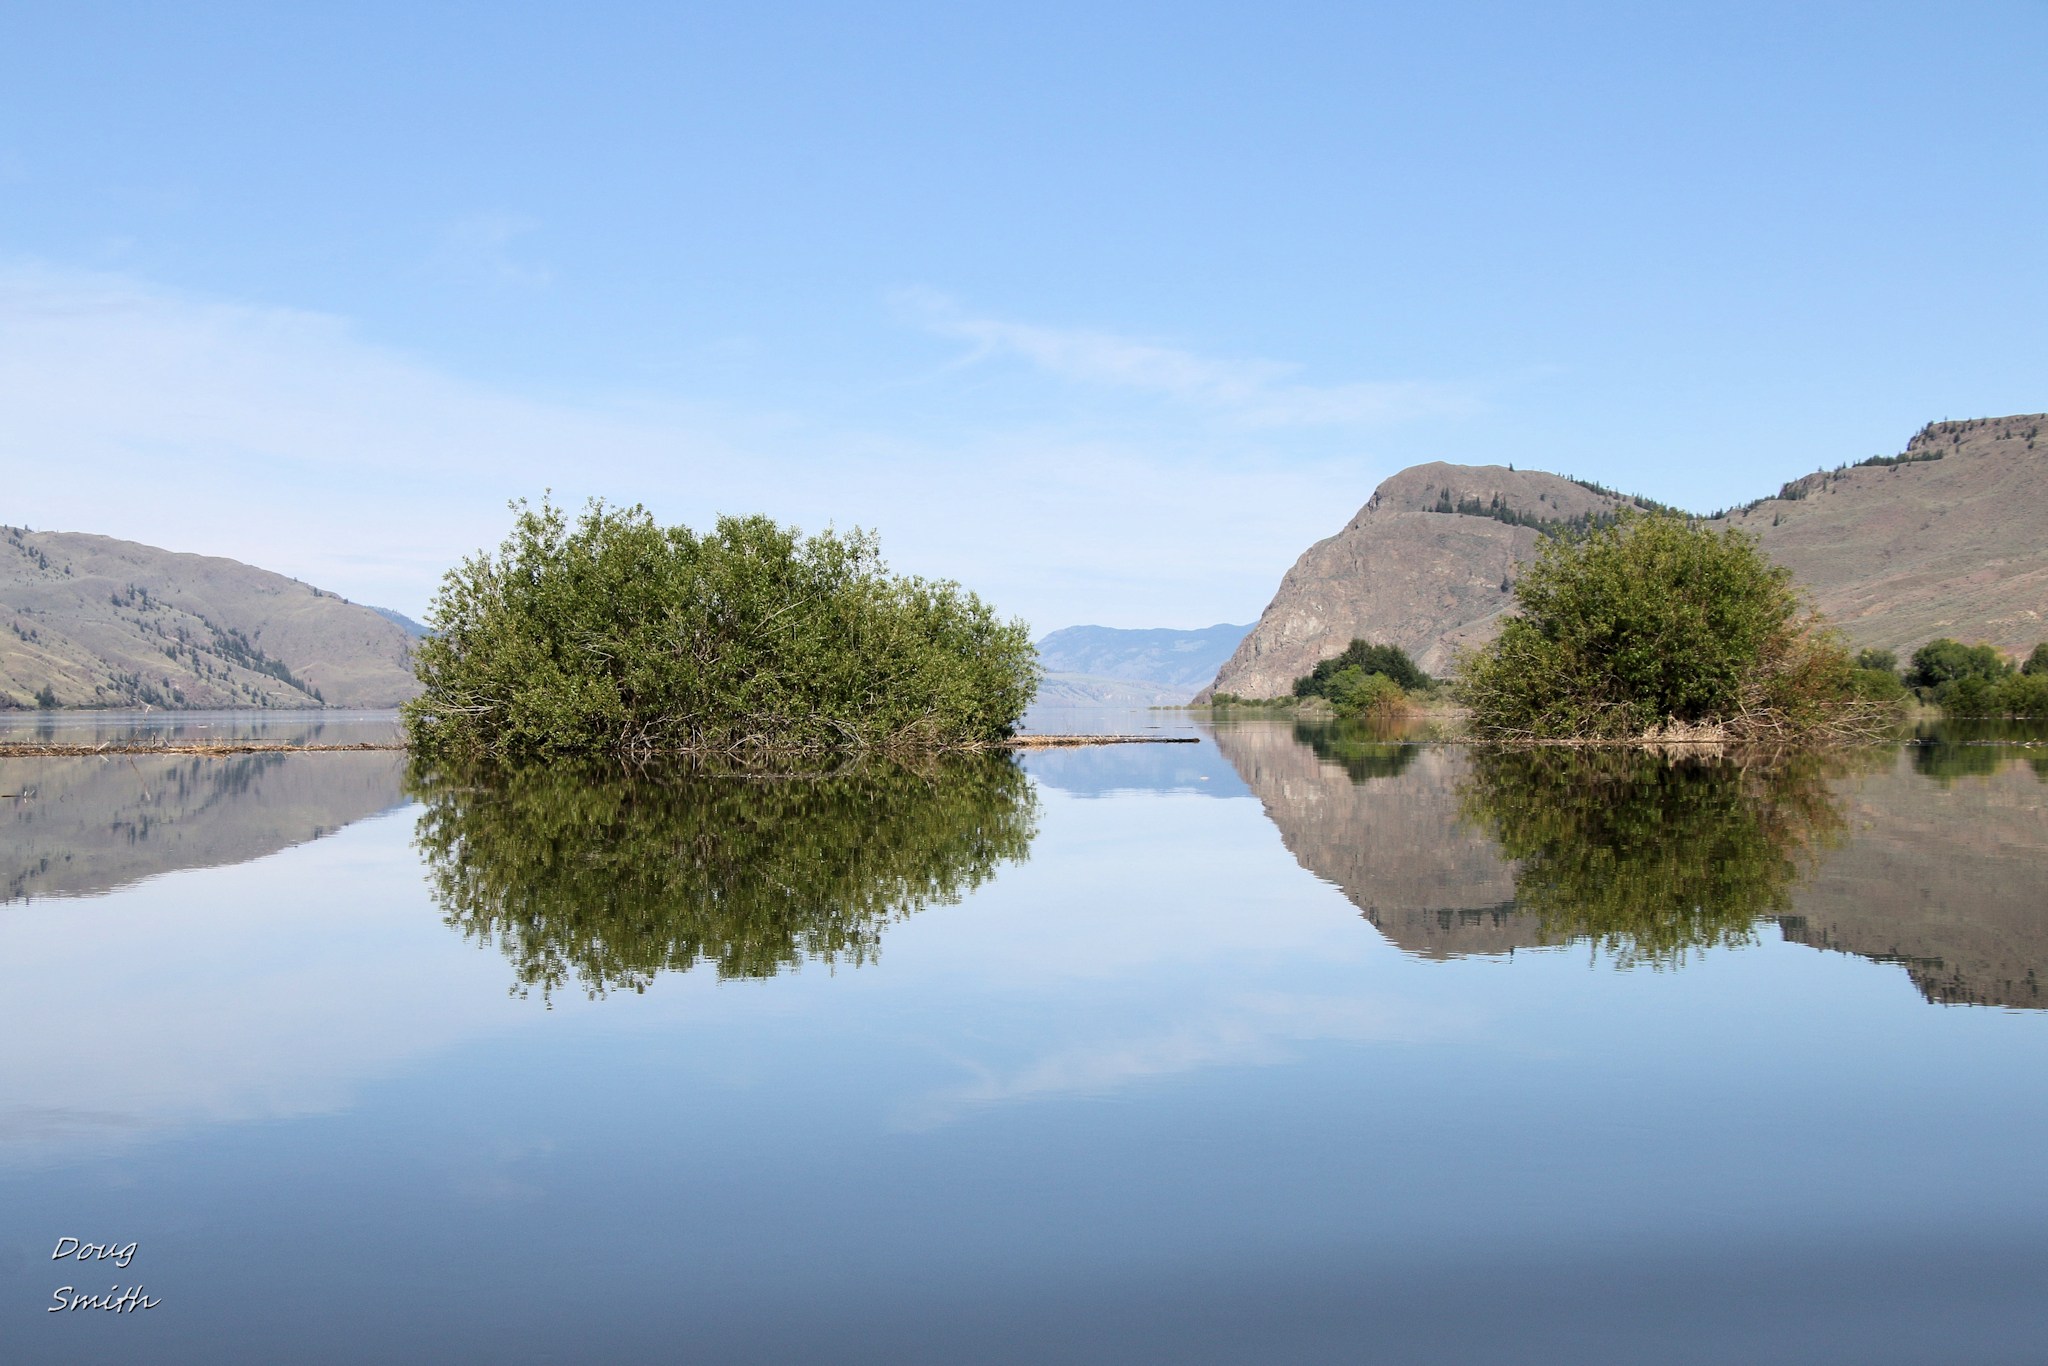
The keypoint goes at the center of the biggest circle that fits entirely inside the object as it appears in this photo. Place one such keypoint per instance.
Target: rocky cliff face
(1408, 570)
(1950, 541)
(106, 623)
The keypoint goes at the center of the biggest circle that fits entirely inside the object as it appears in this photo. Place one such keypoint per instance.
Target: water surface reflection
(1451, 852)
(1652, 856)
(87, 826)
(607, 877)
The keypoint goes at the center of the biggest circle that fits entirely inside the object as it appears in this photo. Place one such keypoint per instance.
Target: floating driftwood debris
(10, 749)
(36, 749)
(1062, 741)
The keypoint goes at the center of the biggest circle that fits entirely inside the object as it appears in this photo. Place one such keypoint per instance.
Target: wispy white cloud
(1255, 393)
(284, 438)
(1254, 1030)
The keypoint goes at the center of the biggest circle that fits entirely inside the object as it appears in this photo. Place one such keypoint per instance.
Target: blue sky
(1106, 311)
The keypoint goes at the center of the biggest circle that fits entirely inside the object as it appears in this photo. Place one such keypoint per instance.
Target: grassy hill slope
(1952, 540)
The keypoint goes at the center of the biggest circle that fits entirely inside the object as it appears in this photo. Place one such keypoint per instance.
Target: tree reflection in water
(1651, 856)
(607, 878)
(1364, 749)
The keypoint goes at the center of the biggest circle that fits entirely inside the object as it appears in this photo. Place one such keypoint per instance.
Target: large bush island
(1656, 627)
(618, 635)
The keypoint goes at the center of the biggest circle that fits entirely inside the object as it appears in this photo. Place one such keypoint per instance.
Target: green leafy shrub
(1878, 685)
(2015, 694)
(1375, 696)
(621, 636)
(1656, 625)
(2023, 694)
(1391, 661)
(1947, 661)
(1883, 661)
(2037, 662)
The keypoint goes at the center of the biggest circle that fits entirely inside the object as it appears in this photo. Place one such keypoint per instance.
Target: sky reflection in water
(1103, 1067)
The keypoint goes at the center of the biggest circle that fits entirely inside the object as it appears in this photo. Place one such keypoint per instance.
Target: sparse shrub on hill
(1659, 627)
(620, 636)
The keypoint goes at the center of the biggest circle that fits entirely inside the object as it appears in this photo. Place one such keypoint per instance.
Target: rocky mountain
(1426, 565)
(92, 621)
(403, 622)
(1946, 538)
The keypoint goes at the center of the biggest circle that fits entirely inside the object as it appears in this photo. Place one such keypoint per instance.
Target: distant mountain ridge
(403, 622)
(90, 621)
(1950, 537)
(1170, 665)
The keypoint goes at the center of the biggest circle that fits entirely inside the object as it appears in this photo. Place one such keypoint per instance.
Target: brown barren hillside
(1953, 545)
(1404, 573)
(91, 621)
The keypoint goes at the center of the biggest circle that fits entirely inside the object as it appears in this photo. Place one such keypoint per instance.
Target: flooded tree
(620, 636)
(1656, 627)
(606, 878)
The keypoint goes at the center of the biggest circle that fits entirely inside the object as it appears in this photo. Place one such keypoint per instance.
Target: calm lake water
(1292, 1045)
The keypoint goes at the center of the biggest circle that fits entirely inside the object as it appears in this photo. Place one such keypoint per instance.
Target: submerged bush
(1656, 625)
(621, 636)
